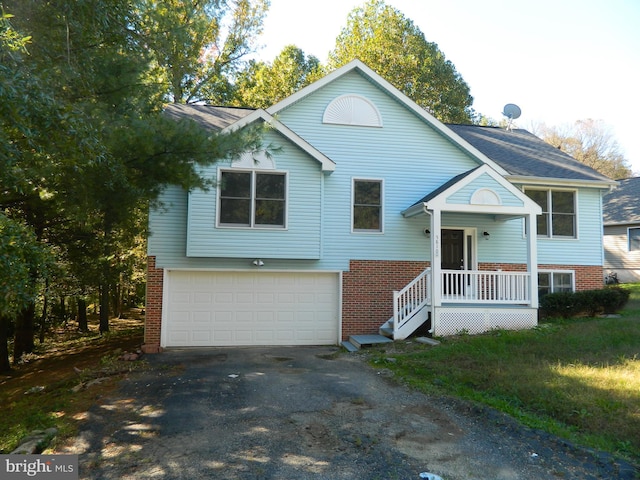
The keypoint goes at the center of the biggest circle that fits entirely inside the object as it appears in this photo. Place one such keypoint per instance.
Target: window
(634, 239)
(552, 282)
(252, 199)
(367, 205)
(558, 217)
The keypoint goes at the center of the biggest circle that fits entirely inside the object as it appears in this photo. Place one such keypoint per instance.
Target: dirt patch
(59, 382)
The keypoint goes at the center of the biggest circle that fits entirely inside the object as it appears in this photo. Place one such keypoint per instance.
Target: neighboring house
(369, 210)
(622, 230)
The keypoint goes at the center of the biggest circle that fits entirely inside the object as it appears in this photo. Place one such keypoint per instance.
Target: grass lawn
(578, 379)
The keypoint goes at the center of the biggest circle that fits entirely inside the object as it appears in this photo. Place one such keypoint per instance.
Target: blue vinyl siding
(301, 237)
(411, 157)
(587, 248)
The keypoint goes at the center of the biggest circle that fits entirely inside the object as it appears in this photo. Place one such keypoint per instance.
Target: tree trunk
(43, 318)
(104, 308)
(83, 325)
(63, 310)
(25, 332)
(5, 365)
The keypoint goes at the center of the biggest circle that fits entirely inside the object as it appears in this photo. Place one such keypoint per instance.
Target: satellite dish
(511, 111)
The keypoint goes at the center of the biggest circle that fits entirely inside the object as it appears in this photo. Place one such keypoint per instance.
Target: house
(369, 215)
(621, 209)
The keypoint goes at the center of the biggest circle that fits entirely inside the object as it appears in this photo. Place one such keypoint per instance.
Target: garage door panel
(238, 308)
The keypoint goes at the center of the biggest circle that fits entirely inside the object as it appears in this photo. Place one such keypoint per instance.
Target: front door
(452, 242)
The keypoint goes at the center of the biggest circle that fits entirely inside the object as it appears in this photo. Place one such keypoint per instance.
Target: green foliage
(198, 46)
(84, 146)
(586, 302)
(264, 84)
(20, 255)
(388, 42)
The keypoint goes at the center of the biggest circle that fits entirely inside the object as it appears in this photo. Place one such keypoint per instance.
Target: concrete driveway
(306, 413)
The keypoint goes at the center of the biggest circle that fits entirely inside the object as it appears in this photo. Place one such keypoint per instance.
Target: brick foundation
(587, 277)
(367, 292)
(367, 288)
(153, 315)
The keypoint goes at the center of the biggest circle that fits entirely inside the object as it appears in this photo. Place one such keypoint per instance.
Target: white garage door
(235, 308)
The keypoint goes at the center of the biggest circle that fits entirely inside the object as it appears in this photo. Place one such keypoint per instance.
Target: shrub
(587, 302)
(559, 304)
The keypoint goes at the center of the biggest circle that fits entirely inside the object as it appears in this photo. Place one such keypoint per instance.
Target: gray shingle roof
(522, 153)
(210, 117)
(622, 204)
(517, 151)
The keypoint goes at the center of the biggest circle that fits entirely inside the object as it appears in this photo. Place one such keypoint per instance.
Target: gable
(481, 190)
(484, 190)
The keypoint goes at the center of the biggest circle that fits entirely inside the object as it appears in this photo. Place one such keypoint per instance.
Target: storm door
(452, 242)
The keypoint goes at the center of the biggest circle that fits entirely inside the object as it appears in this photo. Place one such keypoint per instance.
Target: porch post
(436, 258)
(532, 257)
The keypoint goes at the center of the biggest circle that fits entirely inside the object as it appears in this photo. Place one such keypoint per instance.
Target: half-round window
(352, 110)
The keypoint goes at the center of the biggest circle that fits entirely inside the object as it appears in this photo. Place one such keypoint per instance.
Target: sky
(558, 60)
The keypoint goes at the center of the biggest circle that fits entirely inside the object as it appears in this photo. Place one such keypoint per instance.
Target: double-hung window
(554, 281)
(634, 239)
(252, 199)
(367, 206)
(558, 219)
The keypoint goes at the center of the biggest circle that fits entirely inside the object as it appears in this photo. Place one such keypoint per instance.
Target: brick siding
(153, 312)
(367, 288)
(367, 292)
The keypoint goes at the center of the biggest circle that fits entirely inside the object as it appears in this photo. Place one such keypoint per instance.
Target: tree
(20, 256)
(199, 45)
(389, 43)
(264, 84)
(590, 142)
(84, 144)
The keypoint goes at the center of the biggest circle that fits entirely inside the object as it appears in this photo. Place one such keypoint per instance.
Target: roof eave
(327, 164)
(564, 182)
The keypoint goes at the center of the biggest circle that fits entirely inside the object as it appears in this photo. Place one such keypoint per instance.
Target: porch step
(386, 331)
(356, 342)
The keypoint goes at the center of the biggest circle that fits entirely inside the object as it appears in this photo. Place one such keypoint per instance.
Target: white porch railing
(477, 286)
(411, 299)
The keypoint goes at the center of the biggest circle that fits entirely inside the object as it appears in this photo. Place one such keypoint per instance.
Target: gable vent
(485, 196)
(352, 110)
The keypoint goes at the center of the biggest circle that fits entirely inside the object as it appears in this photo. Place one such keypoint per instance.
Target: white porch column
(532, 256)
(436, 258)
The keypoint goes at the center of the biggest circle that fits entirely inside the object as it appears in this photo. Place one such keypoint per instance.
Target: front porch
(470, 301)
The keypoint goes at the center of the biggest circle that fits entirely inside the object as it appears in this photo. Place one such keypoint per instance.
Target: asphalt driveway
(306, 413)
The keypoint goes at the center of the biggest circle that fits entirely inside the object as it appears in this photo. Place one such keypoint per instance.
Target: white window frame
(252, 219)
(353, 197)
(549, 191)
(629, 249)
(551, 272)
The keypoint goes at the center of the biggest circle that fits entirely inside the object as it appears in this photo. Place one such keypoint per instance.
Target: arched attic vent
(352, 109)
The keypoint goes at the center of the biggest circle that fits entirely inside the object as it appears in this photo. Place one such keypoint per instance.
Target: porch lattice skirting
(473, 320)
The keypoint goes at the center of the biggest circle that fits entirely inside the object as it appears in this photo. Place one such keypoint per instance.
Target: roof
(622, 204)
(230, 118)
(521, 153)
(444, 187)
(208, 116)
